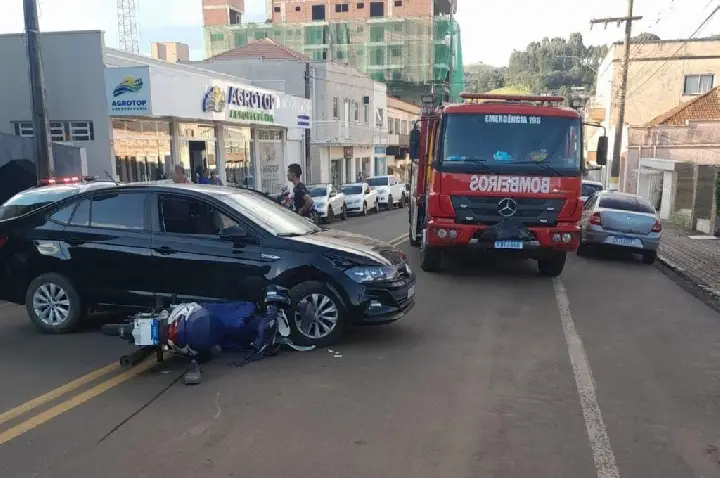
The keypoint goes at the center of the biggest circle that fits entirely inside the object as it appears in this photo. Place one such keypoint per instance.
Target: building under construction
(412, 45)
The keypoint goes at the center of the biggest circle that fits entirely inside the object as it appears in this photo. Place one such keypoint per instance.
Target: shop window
(119, 211)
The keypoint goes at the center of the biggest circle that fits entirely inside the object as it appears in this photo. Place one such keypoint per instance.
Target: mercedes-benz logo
(507, 207)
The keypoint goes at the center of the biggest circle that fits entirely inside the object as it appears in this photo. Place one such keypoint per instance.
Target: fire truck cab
(501, 173)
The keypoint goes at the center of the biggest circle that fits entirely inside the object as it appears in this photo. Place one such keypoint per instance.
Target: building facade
(408, 44)
(170, 51)
(350, 122)
(137, 117)
(661, 76)
(401, 120)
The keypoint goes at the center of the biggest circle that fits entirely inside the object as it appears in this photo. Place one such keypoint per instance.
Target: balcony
(401, 140)
(340, 133)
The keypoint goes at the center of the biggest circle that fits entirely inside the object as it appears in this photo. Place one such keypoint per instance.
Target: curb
(709, 296)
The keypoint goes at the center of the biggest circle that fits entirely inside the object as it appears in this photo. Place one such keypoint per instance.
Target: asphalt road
(611, 371)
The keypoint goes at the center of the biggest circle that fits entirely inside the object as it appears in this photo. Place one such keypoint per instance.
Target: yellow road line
(73, 402)
(58, 392)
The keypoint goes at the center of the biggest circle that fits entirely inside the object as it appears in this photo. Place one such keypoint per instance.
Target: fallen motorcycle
(200, 331)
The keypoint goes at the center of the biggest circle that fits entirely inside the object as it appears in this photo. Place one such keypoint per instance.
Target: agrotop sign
(242, 103)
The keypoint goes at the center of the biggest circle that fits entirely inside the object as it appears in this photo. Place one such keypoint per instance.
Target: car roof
(594, 183)
(620, 195)
(381, 176)
(319, 185)
(352, 184)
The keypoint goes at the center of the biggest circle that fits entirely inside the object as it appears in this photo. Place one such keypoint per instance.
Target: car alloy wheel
(51, 304)
(316, 316)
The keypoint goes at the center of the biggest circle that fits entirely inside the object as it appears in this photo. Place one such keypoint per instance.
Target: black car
(128, 245)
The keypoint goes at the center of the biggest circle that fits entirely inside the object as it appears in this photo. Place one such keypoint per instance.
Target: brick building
(412, 45)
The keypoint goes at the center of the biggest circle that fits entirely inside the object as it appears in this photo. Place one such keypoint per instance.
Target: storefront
(163, 116)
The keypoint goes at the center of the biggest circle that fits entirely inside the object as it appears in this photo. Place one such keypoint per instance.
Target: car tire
(315, 295)
(344, 215)
(330, 215)
(412, 238)
(377, 207)
(69, 307)
(365, 209)
(583, 250)
(390, 205)
(552, 266)
(648, 257)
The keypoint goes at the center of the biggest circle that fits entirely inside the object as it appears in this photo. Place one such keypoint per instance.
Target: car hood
(353, 197)
(373, 249)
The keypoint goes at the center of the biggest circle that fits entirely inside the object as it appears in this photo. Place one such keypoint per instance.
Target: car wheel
(648, 257)
(583, 250)
(390, 205)
(344, 213)
(365, 209)
(330, 215)
(53, 304)
(377, 207)
(317, 315)
(553, 265)
(412, 238)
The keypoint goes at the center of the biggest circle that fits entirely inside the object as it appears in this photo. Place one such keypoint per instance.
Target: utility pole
(41, 125)
(622, 94)
(309, 96)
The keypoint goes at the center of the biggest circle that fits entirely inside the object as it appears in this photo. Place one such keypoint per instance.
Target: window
(377, 9)
(81, 217)
(59, 130)
(216, 37)
(297, 9)
(698, 84)
(276, 9)
(318, 12)
(379, 117)
(356, 108)
(189, 216)
(626, 203)
(63, 215)
(366, 114)
(341, 7)
(32, 199)
(119, 211)
(335, 111)
(379, 181)
(391, 129)
(398, 3)
(397, 126)
(360, 5)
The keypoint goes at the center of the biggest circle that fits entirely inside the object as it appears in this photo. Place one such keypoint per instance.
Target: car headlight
(363, 275)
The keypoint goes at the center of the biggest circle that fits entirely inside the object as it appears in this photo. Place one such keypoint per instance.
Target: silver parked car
(617, 219)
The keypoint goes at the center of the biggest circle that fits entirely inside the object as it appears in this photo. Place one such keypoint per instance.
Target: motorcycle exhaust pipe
(137, 356)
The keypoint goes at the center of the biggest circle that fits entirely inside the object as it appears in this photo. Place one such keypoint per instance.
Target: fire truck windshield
(511, 143)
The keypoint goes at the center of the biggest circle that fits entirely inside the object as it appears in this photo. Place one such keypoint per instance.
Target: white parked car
(390, 192)
(360, 198)
(329, 202)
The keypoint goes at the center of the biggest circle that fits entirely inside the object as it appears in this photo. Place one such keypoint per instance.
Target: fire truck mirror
(601, 151)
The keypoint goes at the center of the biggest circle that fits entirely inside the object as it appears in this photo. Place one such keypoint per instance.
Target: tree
(644, 38)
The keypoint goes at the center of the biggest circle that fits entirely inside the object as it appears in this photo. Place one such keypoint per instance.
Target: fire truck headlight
(441, 233)
(556, 237)
(567, 238)
(453, 234)
(371, 274)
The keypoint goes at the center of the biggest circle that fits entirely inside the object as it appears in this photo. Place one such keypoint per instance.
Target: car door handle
(164, 250)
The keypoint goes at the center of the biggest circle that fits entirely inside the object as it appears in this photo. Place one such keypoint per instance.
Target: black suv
(128, 245)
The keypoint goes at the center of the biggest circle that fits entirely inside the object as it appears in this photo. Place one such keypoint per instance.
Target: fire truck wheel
(552, 265)
(431, 259)
(412, 238)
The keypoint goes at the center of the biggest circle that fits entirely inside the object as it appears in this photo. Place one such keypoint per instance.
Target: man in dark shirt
(302, 201)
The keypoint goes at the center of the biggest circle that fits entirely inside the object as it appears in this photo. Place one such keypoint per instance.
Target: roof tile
(265, 48)
(702, 108)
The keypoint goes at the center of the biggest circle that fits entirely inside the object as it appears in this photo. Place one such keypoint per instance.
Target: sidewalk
(694, 256)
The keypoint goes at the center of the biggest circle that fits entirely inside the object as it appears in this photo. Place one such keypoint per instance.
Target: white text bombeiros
(510, 184)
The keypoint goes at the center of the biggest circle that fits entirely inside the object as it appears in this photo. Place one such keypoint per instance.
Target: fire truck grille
(491, 210)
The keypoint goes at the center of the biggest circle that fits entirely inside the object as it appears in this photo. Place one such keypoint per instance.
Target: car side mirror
(333, 194)
(407, 187)
(233, 233)
(601, 151)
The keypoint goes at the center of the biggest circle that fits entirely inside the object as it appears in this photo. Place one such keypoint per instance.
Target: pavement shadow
(481, 264)
(615, 255)
(381, 335)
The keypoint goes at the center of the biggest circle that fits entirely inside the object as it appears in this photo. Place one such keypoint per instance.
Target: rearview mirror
(233, 233)
(407, 187)
(601, 151)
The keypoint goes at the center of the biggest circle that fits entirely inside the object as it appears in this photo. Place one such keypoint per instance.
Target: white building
(350, 126)
(137, 117)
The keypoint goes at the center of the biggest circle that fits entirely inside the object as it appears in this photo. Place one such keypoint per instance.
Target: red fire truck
(499, 172)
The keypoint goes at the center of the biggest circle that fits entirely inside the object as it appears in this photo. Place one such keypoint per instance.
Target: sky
(490, 30)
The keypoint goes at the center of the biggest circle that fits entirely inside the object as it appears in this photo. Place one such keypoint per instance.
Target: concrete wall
(75, 85)
(68, 160)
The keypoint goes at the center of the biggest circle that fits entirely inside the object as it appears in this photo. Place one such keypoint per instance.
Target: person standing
(178, 175)
(302, 201)
(215, 179)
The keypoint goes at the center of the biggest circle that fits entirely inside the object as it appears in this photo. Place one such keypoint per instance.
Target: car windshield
(511, 143)
(318, 191)
(627, 203)
(590, 189)
(26, 201)
(350, 190)
(266, 213)
(381, 181)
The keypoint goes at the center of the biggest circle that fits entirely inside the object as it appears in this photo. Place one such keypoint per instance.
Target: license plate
(508, 245)
(624, 241)
(411, 292)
